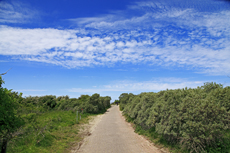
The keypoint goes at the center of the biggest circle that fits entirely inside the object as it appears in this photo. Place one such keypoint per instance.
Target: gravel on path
(112, 134)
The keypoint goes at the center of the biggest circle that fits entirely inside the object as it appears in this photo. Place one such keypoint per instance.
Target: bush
(198, 119)
(124, 99)
(48, 101)
(10, 121)
(89, 104)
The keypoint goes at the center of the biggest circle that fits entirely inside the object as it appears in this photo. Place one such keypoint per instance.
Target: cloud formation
(154, 85)
(159, 35)
(16, 12)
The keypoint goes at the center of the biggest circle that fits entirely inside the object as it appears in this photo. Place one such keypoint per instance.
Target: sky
(110, 47)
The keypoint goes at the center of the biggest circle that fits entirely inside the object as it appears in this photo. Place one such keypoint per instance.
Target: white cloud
(64, 47)
(115, 88)
(161, 35)
(21, 90)
(120, 44)
(155, 85)
(16, 12)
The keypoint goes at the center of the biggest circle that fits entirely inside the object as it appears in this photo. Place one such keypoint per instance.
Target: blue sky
(113, 46)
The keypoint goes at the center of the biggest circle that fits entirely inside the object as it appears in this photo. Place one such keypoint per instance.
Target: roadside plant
(10, 122)
(196, 119)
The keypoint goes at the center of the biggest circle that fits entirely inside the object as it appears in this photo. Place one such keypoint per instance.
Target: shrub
(124, 99)
(9, 120)
(48, 101)
(198, 119)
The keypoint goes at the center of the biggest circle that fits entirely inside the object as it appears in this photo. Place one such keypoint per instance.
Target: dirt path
(112, 134)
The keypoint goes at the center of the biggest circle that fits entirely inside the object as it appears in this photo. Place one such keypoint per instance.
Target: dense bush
(89, 104)
(10, 121)
(124, 99)
(95, 104)
(48, 101)
(197, 119)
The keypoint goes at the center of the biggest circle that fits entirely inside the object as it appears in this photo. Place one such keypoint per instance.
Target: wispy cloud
(16, 12)
(159, 35)
(154, 85)
(1, 61)
(33, 90)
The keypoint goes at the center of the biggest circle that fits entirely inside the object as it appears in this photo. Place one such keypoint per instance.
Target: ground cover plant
(194, 120)
(44, 124)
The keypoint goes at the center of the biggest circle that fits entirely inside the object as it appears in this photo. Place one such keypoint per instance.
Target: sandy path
(112, 134)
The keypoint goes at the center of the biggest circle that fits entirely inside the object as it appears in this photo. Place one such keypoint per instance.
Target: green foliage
(209, 86)
(42, 117)
(9, 120)
(125, 98)
(197, 119)
(52, 131)
(115, 102)
(68, 104)
(88, 104)
(48, 101)
(94, 104)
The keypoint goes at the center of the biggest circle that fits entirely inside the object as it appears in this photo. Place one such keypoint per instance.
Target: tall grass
(53, 131)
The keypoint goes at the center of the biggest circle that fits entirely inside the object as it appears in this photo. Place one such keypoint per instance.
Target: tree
(9, 120)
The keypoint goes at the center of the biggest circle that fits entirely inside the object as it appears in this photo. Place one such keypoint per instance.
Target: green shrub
(10, 121)
(48, 101)
(124, 99)
(197, 119)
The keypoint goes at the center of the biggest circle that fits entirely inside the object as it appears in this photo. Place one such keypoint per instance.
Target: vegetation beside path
(185, 120)
(46, 123)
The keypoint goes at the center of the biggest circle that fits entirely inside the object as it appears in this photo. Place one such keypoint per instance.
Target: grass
(53, 131)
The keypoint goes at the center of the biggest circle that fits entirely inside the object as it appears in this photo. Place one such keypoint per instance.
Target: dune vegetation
(46, 123)
(188, 120)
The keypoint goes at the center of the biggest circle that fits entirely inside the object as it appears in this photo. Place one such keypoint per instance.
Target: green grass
(53, 131)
